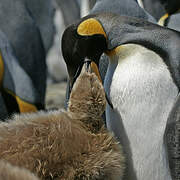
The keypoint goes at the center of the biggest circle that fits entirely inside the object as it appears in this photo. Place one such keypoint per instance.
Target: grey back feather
(172, 140)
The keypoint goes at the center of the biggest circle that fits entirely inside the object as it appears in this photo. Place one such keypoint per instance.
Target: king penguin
(142, 82)
(28, 34)
(119, 7)
(17, 91)
(124, 8)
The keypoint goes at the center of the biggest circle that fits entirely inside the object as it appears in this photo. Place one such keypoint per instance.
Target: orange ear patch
(90, 27)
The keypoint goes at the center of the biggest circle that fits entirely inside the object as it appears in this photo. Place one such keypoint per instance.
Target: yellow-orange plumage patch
(90, 27)
(114, 51)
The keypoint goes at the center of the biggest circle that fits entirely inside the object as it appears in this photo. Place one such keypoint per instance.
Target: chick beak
(87, 63)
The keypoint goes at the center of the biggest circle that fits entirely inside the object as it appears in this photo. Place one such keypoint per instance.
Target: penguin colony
(67, 145)
(142, 82)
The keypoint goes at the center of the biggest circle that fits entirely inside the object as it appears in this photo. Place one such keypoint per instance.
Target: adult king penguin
(142, 82)
(120, 7)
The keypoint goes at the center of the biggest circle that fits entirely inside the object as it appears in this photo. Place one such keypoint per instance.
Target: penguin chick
(66, 145)
(9, 172)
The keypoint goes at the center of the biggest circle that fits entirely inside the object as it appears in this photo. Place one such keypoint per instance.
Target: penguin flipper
(172, 140)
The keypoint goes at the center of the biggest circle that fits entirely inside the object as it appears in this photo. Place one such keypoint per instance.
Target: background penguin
(122, 7)
(165, 11)
(73, 14)
(28, 27)
(172, 17)
(17, 92)
(42, 12)
(154, 7)
(142, 82)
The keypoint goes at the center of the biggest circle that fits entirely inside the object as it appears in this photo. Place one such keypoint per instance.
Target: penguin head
(171, 6)
(85, 39)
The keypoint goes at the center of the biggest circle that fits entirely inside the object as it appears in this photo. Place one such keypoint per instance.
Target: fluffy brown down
(9, 172)
(70, 145)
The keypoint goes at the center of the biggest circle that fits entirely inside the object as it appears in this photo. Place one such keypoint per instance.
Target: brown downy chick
(70, 145)
(87, 100)
(9, 172)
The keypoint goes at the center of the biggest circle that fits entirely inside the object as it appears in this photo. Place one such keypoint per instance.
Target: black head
(171, 6)
(77, 47)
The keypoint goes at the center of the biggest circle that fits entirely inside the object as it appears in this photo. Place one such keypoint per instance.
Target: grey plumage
(28, 34)
(122, 7)
(70, 10)
(15, 79)
(154, 7)
(42, 13)
(172, 140)
(173, 21)
(24, 35)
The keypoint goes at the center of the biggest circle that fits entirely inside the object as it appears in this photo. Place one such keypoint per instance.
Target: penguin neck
(142, 92)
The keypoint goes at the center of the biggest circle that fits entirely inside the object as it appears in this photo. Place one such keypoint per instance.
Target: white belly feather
(142, 92)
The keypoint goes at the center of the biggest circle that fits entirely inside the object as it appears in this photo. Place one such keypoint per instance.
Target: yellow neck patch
(1, 69)
(114, 51)
(162, 19)
(90, 27)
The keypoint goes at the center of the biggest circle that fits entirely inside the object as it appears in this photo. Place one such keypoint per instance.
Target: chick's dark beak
(87, 63)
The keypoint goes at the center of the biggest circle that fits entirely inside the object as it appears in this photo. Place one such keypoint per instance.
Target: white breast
(142, 92)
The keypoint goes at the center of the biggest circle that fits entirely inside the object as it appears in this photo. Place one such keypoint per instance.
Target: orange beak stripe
(95, 70)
